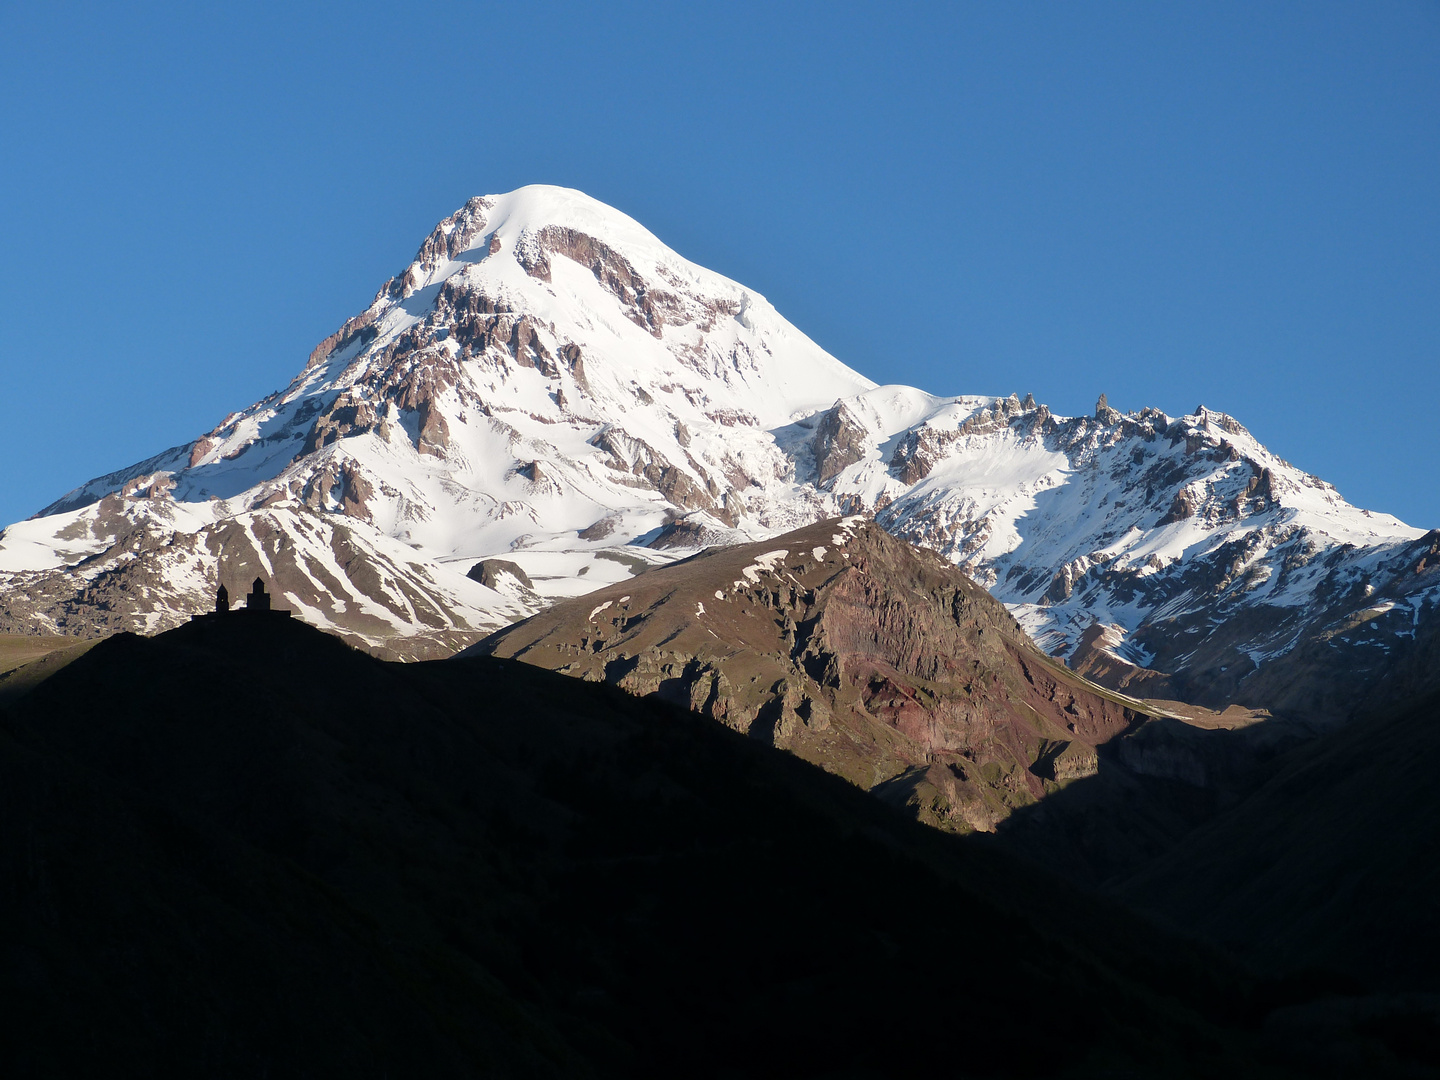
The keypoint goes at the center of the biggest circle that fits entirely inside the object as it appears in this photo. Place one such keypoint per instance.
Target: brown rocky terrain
(863, 654)
(146, 575)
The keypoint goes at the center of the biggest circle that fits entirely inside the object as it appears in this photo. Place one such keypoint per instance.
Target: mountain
(884, 663)
(546, 378)
(286, 857)
(1328, 865)
(548, 386)
(876, 660)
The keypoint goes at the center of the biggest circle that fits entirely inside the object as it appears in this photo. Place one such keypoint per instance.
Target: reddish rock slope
(875, 659)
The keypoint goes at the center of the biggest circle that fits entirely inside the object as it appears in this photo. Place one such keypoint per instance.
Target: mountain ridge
(548, 383)
(876, 660)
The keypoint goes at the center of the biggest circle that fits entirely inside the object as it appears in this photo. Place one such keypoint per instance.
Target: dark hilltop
(244, 848)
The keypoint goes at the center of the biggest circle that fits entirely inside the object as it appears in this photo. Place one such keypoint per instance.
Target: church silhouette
(256, 600)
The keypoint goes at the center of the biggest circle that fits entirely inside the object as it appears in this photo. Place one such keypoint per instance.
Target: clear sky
(1229, 204)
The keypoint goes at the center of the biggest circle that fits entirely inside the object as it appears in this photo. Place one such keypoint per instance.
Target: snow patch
(762, 564)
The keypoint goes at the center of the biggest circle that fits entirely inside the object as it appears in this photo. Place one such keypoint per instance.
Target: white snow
(540, 451)
(762, 564)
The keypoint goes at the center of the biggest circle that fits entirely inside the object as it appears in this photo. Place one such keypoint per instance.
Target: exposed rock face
(919, 451)
(332, 570)
(689, 534)
(839, 443)
(544, 364)
(492, 572)
(600, 529)
(347, 415)
(1095, 659)
(860, 653)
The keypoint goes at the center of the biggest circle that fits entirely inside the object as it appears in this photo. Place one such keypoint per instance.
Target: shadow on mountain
(1330, 863)
(1151, 788)
(242, 848)
(1311, 859)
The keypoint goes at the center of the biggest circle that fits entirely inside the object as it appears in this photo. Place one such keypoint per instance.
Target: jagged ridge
(547, 382)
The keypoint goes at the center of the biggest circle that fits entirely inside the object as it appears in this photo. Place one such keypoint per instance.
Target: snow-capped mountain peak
(548, 383)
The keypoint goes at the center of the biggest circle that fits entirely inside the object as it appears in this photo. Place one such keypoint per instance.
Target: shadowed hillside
(1316, 865)
(1334, 862)
(242, 848)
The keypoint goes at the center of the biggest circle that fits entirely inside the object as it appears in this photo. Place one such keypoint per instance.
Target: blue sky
(1229, 204)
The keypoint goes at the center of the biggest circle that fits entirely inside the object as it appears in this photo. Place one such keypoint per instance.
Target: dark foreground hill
(244, 849)
(1334, 862)
(882, 664)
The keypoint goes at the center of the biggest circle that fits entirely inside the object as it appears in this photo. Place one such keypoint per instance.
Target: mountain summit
(549, 390)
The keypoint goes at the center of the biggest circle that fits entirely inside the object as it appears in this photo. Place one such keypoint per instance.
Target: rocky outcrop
(201, 447)
(356, 491)
(627, 454)
(919, 451)
(600, 529)
(492, 572)
(860, 653)
(1181, 507)
(350, 413)
(446, 243)
(1093, 659)
(644, 302)
(840, 441)
(358, 329)
(688, 534)
(434, 430)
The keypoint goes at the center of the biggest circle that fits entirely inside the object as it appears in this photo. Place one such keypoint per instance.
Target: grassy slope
(17, 650)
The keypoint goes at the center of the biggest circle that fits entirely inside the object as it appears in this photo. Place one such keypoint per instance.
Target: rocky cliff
(875, 659)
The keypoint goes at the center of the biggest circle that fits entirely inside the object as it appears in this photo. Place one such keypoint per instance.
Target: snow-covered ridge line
(548, 383)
